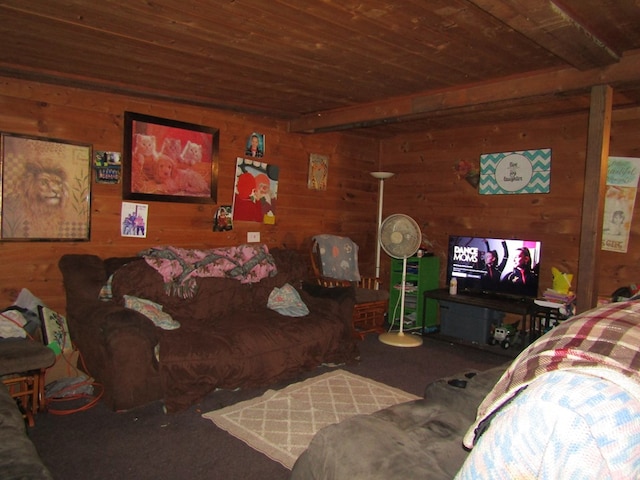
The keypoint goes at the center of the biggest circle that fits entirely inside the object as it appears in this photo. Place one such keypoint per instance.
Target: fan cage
(400, 236)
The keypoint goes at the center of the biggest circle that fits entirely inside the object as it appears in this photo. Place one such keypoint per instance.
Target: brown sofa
(228, 338)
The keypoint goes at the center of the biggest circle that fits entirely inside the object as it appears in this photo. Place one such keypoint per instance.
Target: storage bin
(467, 322)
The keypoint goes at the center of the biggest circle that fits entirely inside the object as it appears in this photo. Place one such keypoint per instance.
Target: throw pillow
(287, 301)
(152, 311)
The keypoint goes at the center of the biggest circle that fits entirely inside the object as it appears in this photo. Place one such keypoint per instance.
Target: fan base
(400, 339)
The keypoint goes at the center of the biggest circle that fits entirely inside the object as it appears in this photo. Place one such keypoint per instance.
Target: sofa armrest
(335, 301)
(109, 318)
(118, 347)
(331, 292)
(371, 283)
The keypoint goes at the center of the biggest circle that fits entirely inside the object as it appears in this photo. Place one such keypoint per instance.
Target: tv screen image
(494, 266)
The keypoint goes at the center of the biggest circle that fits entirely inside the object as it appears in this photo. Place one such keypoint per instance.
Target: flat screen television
(494, 266)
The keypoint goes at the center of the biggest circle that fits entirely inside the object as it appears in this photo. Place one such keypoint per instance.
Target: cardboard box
(65, 367)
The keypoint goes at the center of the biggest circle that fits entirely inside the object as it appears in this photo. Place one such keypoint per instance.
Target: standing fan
(400, 237)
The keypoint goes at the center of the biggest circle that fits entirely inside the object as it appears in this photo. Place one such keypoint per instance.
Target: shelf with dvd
(422, 274)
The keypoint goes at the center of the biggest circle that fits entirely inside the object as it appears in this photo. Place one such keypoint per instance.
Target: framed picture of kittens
(169, 161)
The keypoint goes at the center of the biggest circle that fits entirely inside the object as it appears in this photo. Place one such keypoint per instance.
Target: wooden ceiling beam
(560, 82)
(555, 28)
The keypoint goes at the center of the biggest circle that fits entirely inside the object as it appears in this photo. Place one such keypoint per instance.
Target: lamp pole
(381, 176)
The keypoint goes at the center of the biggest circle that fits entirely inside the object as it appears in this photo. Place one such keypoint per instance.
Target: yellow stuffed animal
(561, 281)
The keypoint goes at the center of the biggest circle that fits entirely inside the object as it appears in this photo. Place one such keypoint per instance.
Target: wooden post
(593, 198)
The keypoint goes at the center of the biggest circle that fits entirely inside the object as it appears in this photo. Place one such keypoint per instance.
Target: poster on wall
(133, 219)
(318, 172)
(255, 192)
(526, 171)
(222, 221)
(169, 161)
(256, 145)
(620, 197)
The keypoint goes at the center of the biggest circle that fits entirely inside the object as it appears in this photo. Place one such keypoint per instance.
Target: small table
(543, 319)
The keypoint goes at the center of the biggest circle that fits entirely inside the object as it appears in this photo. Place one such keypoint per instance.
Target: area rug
(281, 423)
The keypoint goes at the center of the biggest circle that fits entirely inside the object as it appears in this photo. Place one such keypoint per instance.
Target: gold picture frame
(46, 189)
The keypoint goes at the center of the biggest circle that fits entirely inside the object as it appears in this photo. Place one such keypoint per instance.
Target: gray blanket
(418, 439)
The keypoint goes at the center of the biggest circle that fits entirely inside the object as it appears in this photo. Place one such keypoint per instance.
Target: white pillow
(152, 311)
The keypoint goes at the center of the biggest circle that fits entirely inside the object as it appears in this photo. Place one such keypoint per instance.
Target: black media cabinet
(525, 307)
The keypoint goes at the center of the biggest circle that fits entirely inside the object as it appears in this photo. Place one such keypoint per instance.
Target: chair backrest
(334, 260)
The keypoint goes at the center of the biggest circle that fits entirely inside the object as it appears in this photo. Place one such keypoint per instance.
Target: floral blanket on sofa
(180, 268)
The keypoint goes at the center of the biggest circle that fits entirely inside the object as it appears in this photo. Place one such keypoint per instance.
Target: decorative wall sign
(318, 172)
(107, 166)
(256, 191)
(527, 171)
(620, 197)
(46, 189)
(169, 161)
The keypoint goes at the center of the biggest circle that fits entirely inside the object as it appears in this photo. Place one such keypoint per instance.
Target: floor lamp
(382, 176)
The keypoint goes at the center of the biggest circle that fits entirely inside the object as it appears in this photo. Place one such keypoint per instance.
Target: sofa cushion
(138, 279)
(254, 348)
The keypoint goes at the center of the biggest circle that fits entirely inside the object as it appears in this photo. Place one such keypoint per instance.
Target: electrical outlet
(253, 237)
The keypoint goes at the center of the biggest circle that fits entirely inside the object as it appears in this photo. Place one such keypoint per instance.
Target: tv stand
(520, 306)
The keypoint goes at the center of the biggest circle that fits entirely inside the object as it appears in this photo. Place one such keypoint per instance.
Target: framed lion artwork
(46, 189)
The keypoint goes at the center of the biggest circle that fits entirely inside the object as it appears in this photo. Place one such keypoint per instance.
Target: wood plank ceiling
(375, 66)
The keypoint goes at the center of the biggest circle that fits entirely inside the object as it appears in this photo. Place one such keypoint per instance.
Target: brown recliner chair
(334, 261)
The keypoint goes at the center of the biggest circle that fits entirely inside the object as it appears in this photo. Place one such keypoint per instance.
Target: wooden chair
(371, 301)
(22, 368)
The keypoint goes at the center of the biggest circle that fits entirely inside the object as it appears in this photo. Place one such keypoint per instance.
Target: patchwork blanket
(567, 407)
(180, 268)
(602, 342)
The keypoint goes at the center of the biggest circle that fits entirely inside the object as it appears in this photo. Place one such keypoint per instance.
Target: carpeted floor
(145, 443)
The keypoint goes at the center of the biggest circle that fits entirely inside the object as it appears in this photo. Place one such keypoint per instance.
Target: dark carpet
(145, 443)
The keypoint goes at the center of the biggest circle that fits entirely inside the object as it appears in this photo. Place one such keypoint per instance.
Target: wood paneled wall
(348, 206)
(427, 188)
